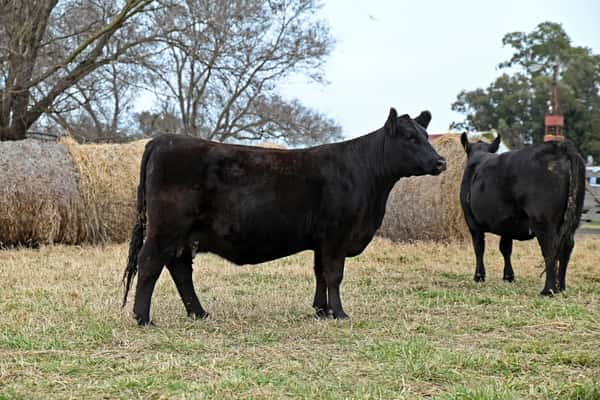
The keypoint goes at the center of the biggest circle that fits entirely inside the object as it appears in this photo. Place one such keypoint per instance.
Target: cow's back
(511, 190)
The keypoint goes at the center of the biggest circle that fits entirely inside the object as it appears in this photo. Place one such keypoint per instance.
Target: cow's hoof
(479, 278)
(320, 313)
(510, 278)
(145, 322)
(547, 292)
(199, 316)
(337, 314)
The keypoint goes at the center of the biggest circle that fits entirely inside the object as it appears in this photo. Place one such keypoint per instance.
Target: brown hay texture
(428, 207)
(39, 194)
(108, 178)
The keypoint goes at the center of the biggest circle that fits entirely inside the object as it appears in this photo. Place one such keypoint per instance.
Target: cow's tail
(576, 194)
(137, 236)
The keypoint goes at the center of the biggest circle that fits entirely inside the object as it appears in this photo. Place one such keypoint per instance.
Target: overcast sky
(417, 55)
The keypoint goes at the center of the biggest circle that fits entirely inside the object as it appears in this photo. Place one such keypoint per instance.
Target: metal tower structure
(554, 121)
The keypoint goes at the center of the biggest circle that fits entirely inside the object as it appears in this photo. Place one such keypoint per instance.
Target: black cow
(536, 191)
(251, 205)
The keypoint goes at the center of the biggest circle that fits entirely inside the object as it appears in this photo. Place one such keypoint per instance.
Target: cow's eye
(414, 139)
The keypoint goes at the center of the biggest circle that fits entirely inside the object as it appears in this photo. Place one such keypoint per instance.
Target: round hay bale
(108, 178)
(39, 195)
(428, 207)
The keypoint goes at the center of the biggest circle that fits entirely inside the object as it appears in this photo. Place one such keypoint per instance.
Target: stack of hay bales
(66, 192)
(428, 207)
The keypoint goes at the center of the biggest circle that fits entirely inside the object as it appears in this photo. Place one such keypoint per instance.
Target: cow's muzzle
(440, 166)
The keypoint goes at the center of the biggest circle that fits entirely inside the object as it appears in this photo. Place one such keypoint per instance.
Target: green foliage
(516, 102)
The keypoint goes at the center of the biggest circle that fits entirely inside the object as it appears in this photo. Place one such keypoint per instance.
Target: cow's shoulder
(481, 165)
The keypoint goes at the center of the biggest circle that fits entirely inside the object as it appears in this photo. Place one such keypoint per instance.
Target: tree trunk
(13, 132)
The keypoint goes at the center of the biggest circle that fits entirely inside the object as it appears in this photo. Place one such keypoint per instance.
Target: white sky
(417, 55)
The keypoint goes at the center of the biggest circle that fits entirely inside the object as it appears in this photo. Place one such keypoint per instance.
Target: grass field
(420, 328)
(592, 225)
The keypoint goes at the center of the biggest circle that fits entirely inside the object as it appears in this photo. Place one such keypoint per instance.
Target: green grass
(420, 328)
(592, 225)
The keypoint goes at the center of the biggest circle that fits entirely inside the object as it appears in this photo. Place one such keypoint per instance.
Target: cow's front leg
(479, 247)
(320, 301)
(181, 272)
(333, 272)
(506, 250)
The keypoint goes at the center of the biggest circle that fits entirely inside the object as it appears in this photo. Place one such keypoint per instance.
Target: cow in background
(537, 191)
(250, 205)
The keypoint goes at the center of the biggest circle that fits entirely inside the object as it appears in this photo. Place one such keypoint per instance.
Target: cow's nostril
(441, 164)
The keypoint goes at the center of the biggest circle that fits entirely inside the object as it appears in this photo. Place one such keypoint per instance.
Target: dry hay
(428, 207)
(108, 178)
(271, 145)
(38, 194)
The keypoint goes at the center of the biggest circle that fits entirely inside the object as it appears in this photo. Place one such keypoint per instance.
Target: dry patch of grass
(420, 328)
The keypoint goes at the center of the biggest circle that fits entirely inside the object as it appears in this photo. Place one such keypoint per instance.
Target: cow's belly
(518, 228)
(254, 223)
(250, 254)
(252, 238)
(498, 217)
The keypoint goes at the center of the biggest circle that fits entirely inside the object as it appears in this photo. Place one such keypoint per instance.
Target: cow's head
(407, 145)
(479, 146)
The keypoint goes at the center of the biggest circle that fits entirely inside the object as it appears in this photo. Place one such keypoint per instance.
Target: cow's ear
(424, 119)
(391, 123)
(464, 140)
(495, 144)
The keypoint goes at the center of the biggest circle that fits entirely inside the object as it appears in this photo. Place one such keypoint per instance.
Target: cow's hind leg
(548, 240)
(479, 247)
(181, 272)
(506, 244)
(563, 259)
(151, 263)
(320, 301)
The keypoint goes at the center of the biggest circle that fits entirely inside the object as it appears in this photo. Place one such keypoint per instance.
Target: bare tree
(289, 121)
(47, 49)
(98, 108)
(214, 66)
(165, 120)
(221, 62)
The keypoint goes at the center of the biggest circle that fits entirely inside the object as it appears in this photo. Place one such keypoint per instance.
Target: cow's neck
(475, 160)
(368, 152)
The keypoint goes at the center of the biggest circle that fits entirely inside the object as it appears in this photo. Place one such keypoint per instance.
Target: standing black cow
(251, 205)
(536, 191)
